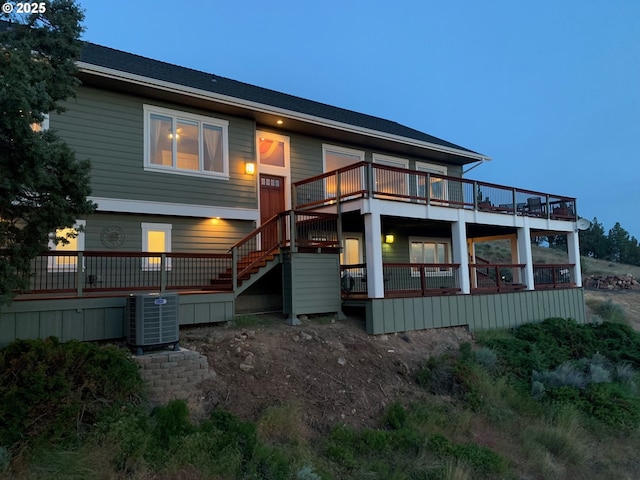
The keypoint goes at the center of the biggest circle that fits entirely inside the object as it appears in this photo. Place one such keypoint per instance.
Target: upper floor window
(438, 189)
(184, 143)
(389, 181)
(351, 181)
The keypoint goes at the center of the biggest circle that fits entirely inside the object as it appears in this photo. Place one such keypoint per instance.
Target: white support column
(461, 253)
(573, 245)
(373, 241)
(525, 255)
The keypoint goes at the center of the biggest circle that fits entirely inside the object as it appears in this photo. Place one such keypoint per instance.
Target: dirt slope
(333, 371)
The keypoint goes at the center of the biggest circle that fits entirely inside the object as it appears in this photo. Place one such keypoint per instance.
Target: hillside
(327, 401)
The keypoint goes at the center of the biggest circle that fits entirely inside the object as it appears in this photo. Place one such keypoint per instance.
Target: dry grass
(499, 252)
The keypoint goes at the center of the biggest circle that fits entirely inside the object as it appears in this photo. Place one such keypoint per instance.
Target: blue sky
(549, 90)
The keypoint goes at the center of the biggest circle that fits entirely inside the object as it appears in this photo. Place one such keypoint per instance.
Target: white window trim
(273, 168)
(441, 273)
(156, 227)
(52, 262)
(284, 172)
(177, 114)
(438, 170)
(333, 148)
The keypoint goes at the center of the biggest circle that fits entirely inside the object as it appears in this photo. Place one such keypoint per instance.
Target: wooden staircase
(249, 265)
(259, 252)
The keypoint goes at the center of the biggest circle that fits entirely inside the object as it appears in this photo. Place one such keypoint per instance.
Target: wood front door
(271, 203)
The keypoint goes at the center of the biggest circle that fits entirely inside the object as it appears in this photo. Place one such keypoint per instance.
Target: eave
(266, 116)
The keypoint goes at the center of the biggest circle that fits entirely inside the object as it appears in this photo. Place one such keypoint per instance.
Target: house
(244, 199)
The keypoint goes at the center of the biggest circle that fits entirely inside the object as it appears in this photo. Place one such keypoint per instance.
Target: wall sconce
(250, 168)
(389, 238)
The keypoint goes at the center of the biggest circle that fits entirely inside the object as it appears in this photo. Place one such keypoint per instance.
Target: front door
(271, 203)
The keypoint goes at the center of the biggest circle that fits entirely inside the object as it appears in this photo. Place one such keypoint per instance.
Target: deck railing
(410, 279)
(294, 229)
(92, 271)
(560, 275)
(58, 272)
(496, 277)
(403, 279)
(370, 180)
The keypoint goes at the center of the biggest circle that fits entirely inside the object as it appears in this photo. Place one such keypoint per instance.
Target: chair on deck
(534, 206)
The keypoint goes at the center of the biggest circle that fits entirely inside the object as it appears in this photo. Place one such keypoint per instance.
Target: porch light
(279, 122)
(250, 168)
(389, 238)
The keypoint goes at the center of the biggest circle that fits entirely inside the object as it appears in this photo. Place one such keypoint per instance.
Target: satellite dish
(583, 224)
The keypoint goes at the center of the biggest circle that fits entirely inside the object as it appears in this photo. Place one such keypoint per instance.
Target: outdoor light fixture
(279, 122)
(249, 168)
(389, 238)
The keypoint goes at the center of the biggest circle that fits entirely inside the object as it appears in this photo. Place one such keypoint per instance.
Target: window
(423, 250)
(391, 181)
(156, 238)
(437, 185)
(41, 127)
(273, 150)
(67, 260)
(335, 158)
(352, 253)
(186, 144)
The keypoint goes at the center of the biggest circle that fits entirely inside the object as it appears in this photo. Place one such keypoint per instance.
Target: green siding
(188, 234)
(108, 129)
(311, 283)
(478, 312)
(90, 319)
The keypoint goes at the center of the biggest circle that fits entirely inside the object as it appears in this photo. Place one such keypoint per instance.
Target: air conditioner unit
(153, 321)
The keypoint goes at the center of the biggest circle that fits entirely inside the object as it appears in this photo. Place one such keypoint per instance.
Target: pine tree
(593, 241)
(42, 186)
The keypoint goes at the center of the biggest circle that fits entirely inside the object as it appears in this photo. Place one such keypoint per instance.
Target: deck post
(292, 231)
(234, 268)
(461, 252)
(375, 272)
(80, 274)
(369, 180)
(573, 245)
(163, 272)
(525, 255)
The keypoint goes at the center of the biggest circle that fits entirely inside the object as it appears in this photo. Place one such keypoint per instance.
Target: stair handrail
(266, 249)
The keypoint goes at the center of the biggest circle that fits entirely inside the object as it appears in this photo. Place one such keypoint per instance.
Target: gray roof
(135, 64)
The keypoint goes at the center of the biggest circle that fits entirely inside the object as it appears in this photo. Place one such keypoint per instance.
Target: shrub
(55, 391)
(488, 359)
(609, 311)
(395, 416)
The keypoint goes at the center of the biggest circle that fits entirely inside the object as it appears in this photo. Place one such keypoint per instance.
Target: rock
(248, 363)
(245, 368)
(342, 361)
(383, 337)
(305, 336)
(611, 282)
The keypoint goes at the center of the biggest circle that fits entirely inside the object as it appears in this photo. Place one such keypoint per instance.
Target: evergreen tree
(622, 247)
(593, 241)
(42, 186)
